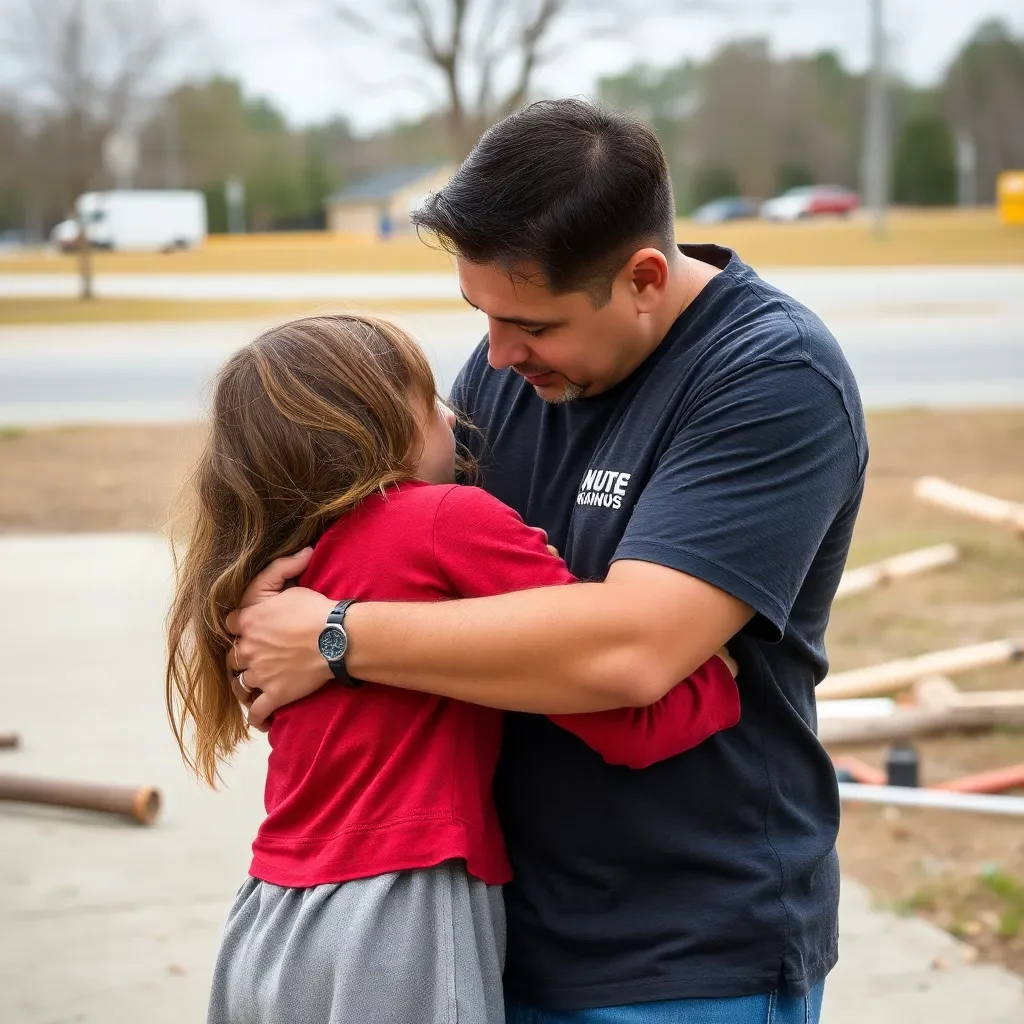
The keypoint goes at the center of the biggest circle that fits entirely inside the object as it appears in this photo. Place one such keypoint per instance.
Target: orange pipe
(997, 781)
(860, 770)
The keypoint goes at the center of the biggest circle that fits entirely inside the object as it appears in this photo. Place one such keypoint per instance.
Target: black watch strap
(337, 618)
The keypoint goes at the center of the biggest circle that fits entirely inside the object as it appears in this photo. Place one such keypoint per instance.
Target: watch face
(333, 643)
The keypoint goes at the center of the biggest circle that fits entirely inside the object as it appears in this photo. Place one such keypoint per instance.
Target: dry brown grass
(914, 237)
(74, 311)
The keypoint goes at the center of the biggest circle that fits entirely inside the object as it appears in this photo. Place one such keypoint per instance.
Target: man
(692, 441)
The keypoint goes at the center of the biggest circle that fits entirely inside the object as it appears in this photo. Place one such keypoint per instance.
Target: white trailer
(154, 221)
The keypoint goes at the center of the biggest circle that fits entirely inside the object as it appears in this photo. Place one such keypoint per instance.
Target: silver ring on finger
(241, 682)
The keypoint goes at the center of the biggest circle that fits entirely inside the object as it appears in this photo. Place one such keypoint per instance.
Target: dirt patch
(963, 871)
(86, 479)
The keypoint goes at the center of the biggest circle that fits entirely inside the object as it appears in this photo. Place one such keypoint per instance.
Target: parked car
(11, 238)
(811, 201)
(731, 208)
(155, 221)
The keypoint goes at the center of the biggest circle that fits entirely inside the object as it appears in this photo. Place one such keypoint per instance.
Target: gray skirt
(410, 947)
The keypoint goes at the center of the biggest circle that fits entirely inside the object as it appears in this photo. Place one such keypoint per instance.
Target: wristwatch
(333, 643)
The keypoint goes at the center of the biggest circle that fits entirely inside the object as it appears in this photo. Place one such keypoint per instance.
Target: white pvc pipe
(906, 796)
(856, 707)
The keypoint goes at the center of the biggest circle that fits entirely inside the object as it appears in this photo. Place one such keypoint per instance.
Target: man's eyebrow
(518, 321)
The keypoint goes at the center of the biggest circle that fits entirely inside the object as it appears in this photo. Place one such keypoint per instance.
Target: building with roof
(381, 205)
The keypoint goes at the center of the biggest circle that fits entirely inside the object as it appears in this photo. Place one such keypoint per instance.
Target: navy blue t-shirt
(735, 453)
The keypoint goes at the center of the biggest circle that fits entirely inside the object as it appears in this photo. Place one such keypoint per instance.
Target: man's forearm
(585, 647)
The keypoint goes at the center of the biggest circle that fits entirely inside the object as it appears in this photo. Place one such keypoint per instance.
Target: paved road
(107, 923)
(914, 337)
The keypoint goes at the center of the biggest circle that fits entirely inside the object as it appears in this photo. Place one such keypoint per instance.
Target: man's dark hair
(567, 185)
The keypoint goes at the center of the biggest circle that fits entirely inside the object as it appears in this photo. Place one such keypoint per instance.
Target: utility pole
(966, 168)
(234, 198)
(172, 143)
(876, 128)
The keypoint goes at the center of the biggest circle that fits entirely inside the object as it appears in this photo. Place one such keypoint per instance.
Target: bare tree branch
(488, 52)
(83, 67)
(532, 35)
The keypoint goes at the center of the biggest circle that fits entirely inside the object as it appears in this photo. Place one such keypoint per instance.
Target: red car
(811, 201)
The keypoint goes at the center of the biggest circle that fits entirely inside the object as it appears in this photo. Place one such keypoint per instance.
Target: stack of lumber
(939, 706)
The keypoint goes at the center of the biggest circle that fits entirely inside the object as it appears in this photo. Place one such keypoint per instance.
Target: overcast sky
(312, 69)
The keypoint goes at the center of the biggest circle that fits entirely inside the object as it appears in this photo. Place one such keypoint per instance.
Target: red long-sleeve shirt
(375, 779)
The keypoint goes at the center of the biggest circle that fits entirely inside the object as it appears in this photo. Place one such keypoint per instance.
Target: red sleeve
(691, 712)
(483, 547)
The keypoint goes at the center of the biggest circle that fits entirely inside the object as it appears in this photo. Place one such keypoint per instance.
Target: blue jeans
(774, 1008)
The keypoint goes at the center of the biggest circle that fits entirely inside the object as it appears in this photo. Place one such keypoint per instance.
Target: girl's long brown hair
(308, 420)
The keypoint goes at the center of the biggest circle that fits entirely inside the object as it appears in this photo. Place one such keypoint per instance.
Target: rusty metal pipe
(141, 803)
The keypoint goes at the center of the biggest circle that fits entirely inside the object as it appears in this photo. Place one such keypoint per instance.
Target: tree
(793, 175)
(84, 68)
(773, 123)
(470, 44)
(487, 52)
(220, 133)
(924, 164)
(984, 92)
(713, 181)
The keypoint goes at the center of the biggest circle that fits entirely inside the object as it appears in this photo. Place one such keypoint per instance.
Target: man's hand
(277, 632)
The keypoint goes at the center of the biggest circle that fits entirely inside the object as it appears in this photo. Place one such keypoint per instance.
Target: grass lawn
(963, 871)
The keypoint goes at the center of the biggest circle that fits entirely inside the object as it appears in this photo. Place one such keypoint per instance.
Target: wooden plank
(911, 563)
(916, 722)
(893, 676)
(975, 504)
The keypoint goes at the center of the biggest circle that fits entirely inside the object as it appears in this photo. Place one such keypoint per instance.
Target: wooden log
(893, 676)
(141, 804)
(971, 503)
(1009, 699)
(935, 692)
(916, 722)
(867, 577)
(939, 692)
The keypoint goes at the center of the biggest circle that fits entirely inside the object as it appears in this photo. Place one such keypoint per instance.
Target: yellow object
(1010, 197)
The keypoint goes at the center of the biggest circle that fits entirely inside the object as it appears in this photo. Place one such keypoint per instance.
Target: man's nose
(505, 346)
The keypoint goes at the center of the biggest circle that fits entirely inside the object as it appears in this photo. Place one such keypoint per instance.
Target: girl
(374, 890)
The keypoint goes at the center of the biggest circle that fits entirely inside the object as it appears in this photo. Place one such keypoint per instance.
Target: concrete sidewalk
(107, 923)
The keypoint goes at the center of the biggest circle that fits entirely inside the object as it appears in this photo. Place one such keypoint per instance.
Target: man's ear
(649, 276)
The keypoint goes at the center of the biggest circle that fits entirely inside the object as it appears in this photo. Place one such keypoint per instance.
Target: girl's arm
(482, 547)
(691, 712)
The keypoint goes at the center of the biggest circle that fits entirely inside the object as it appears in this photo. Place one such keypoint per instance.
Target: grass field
(914, 237)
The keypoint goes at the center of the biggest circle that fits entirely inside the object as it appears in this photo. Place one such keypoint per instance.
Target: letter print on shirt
(605, 488)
